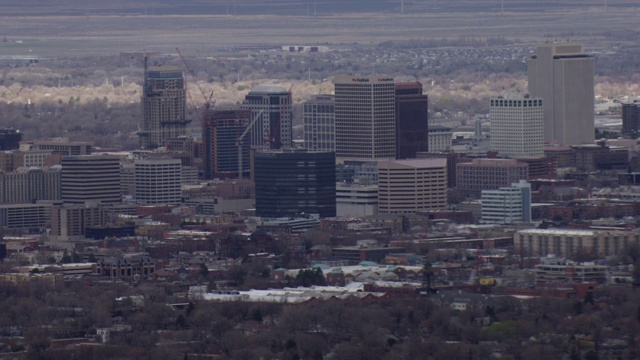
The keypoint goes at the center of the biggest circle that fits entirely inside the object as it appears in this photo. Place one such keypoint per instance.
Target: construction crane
(207, 100)
(240, 139)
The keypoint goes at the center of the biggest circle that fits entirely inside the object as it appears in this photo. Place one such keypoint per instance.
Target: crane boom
(241, 137)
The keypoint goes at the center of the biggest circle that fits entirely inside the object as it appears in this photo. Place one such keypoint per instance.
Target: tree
(204, 270)
(310, 277)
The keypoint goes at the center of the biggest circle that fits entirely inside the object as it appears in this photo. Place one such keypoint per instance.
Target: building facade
(574, 244)
(489, 174)
(10, 139)
(289, 183)
(158, 181)
(439, 138)
(354, 200)
(271, 108)
(319, 123)
(631, 118)
(222, 145)
(30, 185)
(68, 222)
(517, 124)
(412, 120)
(164, 100)
(508, 204)
(365, 117)
(61, 146)
(407, 186)
(90, 178)
(562, 75)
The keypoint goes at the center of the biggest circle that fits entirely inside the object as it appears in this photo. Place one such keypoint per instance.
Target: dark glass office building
(223, 146)
(412, 118)
(289, 183)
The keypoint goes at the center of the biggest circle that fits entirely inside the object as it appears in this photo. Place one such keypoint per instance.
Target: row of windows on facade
(501, 102)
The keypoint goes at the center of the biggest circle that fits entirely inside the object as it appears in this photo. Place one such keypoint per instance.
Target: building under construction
(223, 146)
(163, 105)
(271, 108)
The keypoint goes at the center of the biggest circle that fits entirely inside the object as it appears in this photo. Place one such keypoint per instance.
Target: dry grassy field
(103, 34)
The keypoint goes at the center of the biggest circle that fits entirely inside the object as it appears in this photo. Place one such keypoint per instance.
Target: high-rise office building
(563, 76)
(517, 123)
(222, 131)
(289, 183)
(507, 205)
(412, 120)
(365, 117)
(163, 106)
(90, 178)
(631, 118)
(28, 185)
(319, 123)
(407, 186)
(158, 181)
(271, 108)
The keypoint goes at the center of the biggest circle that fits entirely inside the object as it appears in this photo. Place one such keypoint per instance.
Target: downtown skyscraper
(365, 115)
(563, 76)
(163, 106)
(271, 108)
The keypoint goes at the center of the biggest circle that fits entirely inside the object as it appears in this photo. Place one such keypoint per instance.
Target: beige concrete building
(407, 186)
(27, 185)
(440, 138)
(489, 174)
(365, 117)
(563, 76)
(574, 244)
(68, 222)
(158, 181)
(517, 123)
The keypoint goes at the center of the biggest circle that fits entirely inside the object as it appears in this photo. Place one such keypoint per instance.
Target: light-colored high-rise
(365, 117)
(319, 128)
(158, 181)
(517, 124)
(563, 76)
(407, 186)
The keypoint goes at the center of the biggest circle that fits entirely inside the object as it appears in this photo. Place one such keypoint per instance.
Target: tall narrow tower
(222, 143)
(563, 76)
(163, 106)
(412, 120)
(365, 116)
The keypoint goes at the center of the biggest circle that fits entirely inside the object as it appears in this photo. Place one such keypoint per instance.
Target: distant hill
(283, 7)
